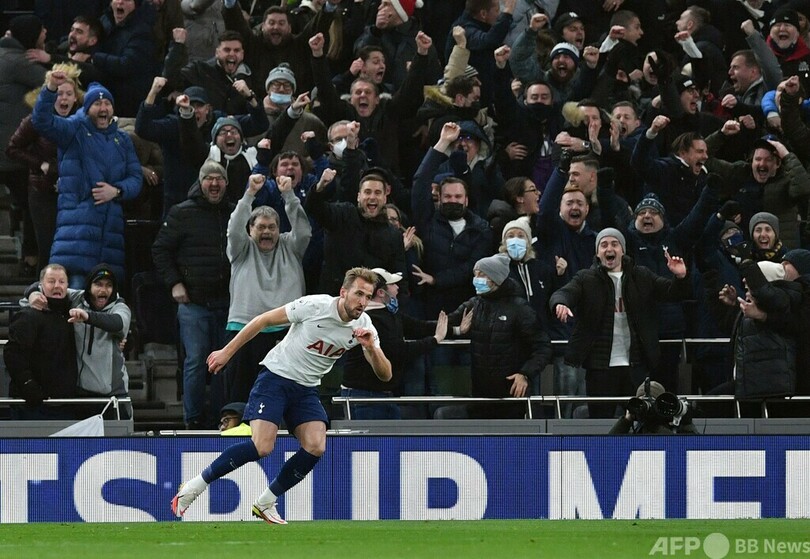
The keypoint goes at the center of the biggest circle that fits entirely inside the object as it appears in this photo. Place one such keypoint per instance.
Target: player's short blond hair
(359, 272)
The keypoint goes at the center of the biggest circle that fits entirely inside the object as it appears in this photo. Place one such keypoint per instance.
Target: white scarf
(756, 14)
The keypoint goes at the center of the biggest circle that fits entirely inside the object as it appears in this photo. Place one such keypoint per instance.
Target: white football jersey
(316, 339)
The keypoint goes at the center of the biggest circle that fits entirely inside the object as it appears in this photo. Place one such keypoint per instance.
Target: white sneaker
(267, 513)
(185, 496)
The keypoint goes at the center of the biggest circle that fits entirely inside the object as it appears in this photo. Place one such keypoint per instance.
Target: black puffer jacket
(505, 338)
(190, 249)
(591, 298)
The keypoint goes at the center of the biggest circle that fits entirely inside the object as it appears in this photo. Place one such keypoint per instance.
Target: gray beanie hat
(611, 232)
(225, 121)
(763, 217)
(495, 267)
(211, 167)
(280, 72)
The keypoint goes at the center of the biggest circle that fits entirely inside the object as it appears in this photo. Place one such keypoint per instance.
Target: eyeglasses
(213, 178)
(280, 86)
(530, 190)
(228, 132)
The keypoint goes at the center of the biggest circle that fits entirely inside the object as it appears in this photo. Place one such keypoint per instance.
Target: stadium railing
(113, 401)
(556, 401)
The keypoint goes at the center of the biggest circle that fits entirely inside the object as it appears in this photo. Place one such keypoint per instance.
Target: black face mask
(452, 210)
(539, 111)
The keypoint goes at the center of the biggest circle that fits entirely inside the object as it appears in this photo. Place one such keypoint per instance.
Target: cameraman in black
(654, 411)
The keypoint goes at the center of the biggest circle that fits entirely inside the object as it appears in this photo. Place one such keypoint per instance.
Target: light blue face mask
(281, 98)
(481, 286)
(516, 248)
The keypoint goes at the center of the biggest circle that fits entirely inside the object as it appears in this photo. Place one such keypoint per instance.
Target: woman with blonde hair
(39, 154)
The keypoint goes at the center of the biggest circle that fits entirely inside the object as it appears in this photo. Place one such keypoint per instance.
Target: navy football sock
(230, 459)
(294, 470)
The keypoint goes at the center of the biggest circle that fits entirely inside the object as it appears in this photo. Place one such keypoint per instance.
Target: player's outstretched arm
(218, 359)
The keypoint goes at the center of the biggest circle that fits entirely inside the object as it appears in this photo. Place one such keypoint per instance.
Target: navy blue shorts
(274, 398)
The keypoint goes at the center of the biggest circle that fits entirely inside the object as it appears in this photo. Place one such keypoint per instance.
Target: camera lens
(668, 405)
(638, 407)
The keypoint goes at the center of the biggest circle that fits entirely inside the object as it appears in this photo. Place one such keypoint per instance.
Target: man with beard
(190, 256)
(774, 180)
(571, 70)
(274, 42)
(225, 77)
(614, 303)
(676, 179)
(266, 273)
(563, 233)
(322, 329)
(359, 234)
(98, 169)
(82, 41)
(101, 319)
(40, 355)
(228, 148)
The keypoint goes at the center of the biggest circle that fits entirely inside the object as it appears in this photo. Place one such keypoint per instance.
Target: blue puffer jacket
(86, 233)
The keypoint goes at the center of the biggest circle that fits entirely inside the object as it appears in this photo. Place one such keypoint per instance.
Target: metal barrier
(113, 401)
(346, 401)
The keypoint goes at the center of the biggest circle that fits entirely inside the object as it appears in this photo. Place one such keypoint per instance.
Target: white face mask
(339, 147)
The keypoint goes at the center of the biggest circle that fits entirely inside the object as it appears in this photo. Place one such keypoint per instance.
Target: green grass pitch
(490, 539)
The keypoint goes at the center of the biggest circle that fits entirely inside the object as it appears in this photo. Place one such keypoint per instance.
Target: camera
(663, 408)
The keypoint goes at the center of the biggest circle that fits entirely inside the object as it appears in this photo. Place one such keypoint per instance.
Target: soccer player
(322, 329)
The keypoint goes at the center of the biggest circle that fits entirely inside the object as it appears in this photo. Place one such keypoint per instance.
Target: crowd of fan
(638, 165)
